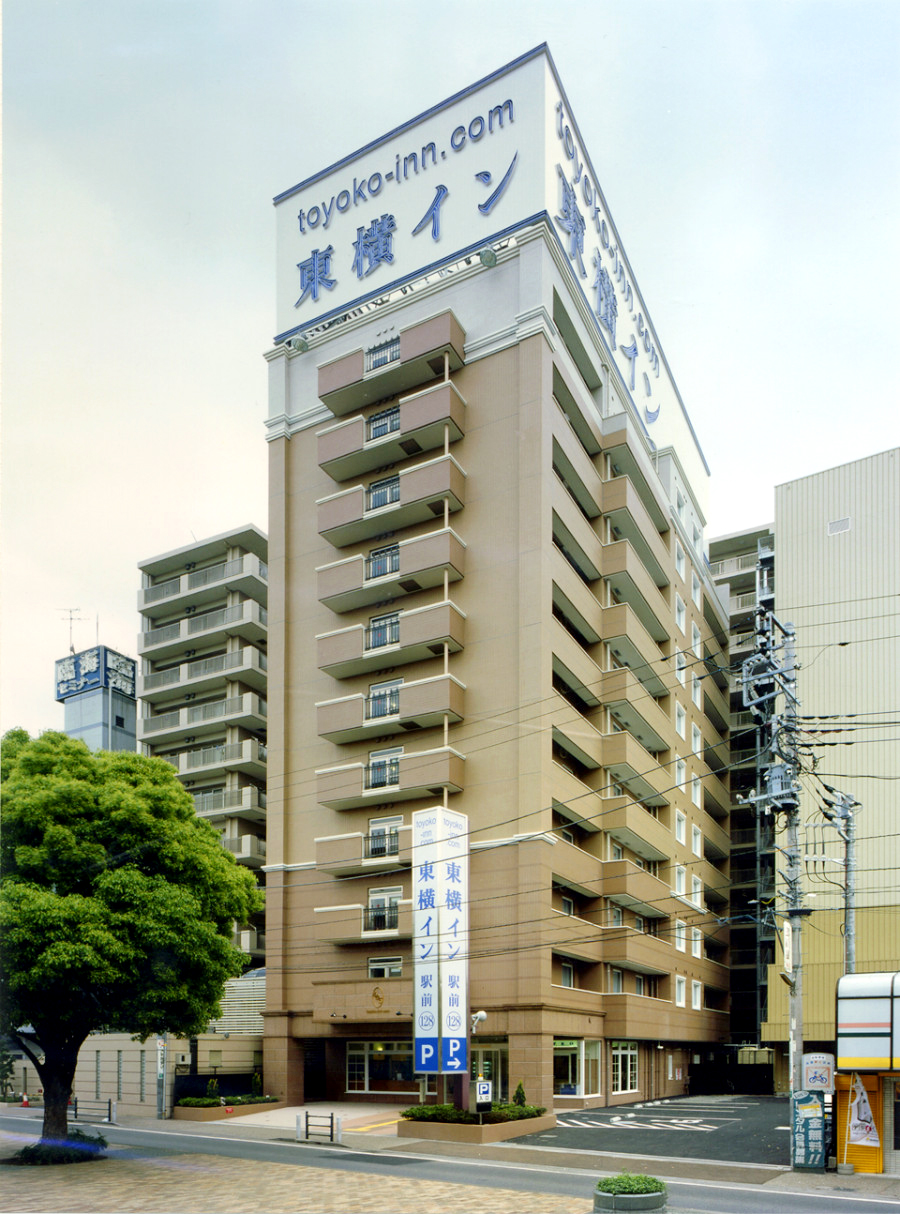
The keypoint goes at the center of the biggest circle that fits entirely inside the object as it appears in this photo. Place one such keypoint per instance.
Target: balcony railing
(383, 704)
(379, 564)
(380, 918)
(380, 424)
(381, 355)
(382, 775)
(383, 844)
(386, 633)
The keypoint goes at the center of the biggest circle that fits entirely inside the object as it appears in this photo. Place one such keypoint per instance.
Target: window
(383, 493)
(383, 699)
(382, 561)
(680, 990)
(680, 824)
(679, 560)
(617, 852)
(697, 891)
(680, 772)
(695, 641)
(380, 1066)
(696, 942)
(567, 974)
(624, 1066)
(680, 664)
(680, 935)
(385, 967)
(680, 720)
(615, 915)
(696, 995)
(680, 503)
(696, 841)
(680, 879)
(695, 589)
(383, 768)
(639, 923)
(696, 693)
(383, 839)
(696, 739)
(383, 630)
(696, 790)
(696, 537)
(639, 984)
(381, 914)
(567, 835)
(568, 906)
(680, 613)
(617, 982)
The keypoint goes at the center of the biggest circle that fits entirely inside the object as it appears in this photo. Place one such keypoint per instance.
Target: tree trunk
(57, 1073)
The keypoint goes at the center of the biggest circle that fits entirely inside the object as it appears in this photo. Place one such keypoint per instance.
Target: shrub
(76, 1147)
(631, 1182)
(450, 1113)
(256, 1083)
(212, 1088)
(199, 1102)
(519, 1096)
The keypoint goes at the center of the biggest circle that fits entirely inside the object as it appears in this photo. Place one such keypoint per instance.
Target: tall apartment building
(733, 563)
(202, 686)
(489, 592)
(838, 581)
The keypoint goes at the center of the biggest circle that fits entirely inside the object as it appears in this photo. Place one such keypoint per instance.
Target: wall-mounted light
(299, 345)
(488, 258)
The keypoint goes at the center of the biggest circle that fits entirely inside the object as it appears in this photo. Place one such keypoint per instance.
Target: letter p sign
(427, 1055)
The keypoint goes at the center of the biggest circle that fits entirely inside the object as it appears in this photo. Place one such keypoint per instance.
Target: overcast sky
(749, 153)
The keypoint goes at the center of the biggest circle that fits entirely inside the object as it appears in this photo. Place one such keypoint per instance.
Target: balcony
(414, 636)
(632, 584)
(247, 665)
(633, 646)
(404, 568)
(415, 424)
(572, 798)
(359, 854)
(572, 937)
(625, 447)
(169, 728)
(350, 999)
(716, 797)
(636, 828)
(247, 803)
(415, 495)
(630, 765)
(574, 866)
(215, 762)
(639, 713)
(638, 1016)
(247, 574)
(249, 850)
(357, 924)
(426, 352)
(247, 620)
(418, 705)
(636, 889)
(408, 777)
(631, 521)
(251, 941)
(639, 951)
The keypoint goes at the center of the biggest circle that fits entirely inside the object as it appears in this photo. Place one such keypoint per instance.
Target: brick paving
(213, 1184)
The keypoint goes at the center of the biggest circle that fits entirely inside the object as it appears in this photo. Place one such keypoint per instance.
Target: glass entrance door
(490, 1062)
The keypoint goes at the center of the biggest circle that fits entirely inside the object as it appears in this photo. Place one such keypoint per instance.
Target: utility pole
(840, 813)
(769, 675)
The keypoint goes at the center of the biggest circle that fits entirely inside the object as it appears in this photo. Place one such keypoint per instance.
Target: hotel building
(488, 592)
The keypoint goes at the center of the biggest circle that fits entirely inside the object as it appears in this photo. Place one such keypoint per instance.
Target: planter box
(180, 1113)
(629, 1201)
(447, 1131)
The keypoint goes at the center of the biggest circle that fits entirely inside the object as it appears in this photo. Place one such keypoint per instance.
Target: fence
(318, 1125)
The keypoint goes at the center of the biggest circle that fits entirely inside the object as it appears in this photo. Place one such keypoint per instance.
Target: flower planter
(180, 1113)
(448, 1131)
(629, 1201)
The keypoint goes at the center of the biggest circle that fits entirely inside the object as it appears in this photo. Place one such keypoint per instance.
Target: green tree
(117, 905)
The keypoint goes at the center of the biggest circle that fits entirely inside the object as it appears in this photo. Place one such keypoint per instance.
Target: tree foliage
(117, 904)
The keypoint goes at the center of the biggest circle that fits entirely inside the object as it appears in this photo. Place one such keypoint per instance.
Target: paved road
(749, 1129)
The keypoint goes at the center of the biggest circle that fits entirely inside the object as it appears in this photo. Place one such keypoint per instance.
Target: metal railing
(94, 1110)
(383, 704)
(380, 918)
(381, 563)
(383, 493)
(381, 355)
(383, 774)
(385, 843)
(385, 633)
(383, 423)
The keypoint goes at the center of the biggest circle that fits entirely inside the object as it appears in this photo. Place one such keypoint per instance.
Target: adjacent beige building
(489, 591)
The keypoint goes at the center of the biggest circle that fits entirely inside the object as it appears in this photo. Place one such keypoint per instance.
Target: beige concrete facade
(488, 590)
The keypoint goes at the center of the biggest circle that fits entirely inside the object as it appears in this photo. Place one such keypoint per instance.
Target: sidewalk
(135, 1183)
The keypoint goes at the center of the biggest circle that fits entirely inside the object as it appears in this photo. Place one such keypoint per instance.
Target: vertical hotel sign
(440, 940)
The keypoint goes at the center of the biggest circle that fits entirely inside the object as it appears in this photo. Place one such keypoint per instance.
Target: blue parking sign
(427, 1061)
(454, 1055)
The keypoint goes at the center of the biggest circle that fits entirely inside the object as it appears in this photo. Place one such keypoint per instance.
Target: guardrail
(318, 1125)
(94, 1110)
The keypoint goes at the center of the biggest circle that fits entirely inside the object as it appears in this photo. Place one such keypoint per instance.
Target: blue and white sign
(440, 890)
(93, 668)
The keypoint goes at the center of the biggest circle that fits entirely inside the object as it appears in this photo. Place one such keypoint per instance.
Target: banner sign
(440, 891)
(808, 1145)
(862, 1130)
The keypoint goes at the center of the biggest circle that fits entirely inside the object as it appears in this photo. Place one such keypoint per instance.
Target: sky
(749, 153)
